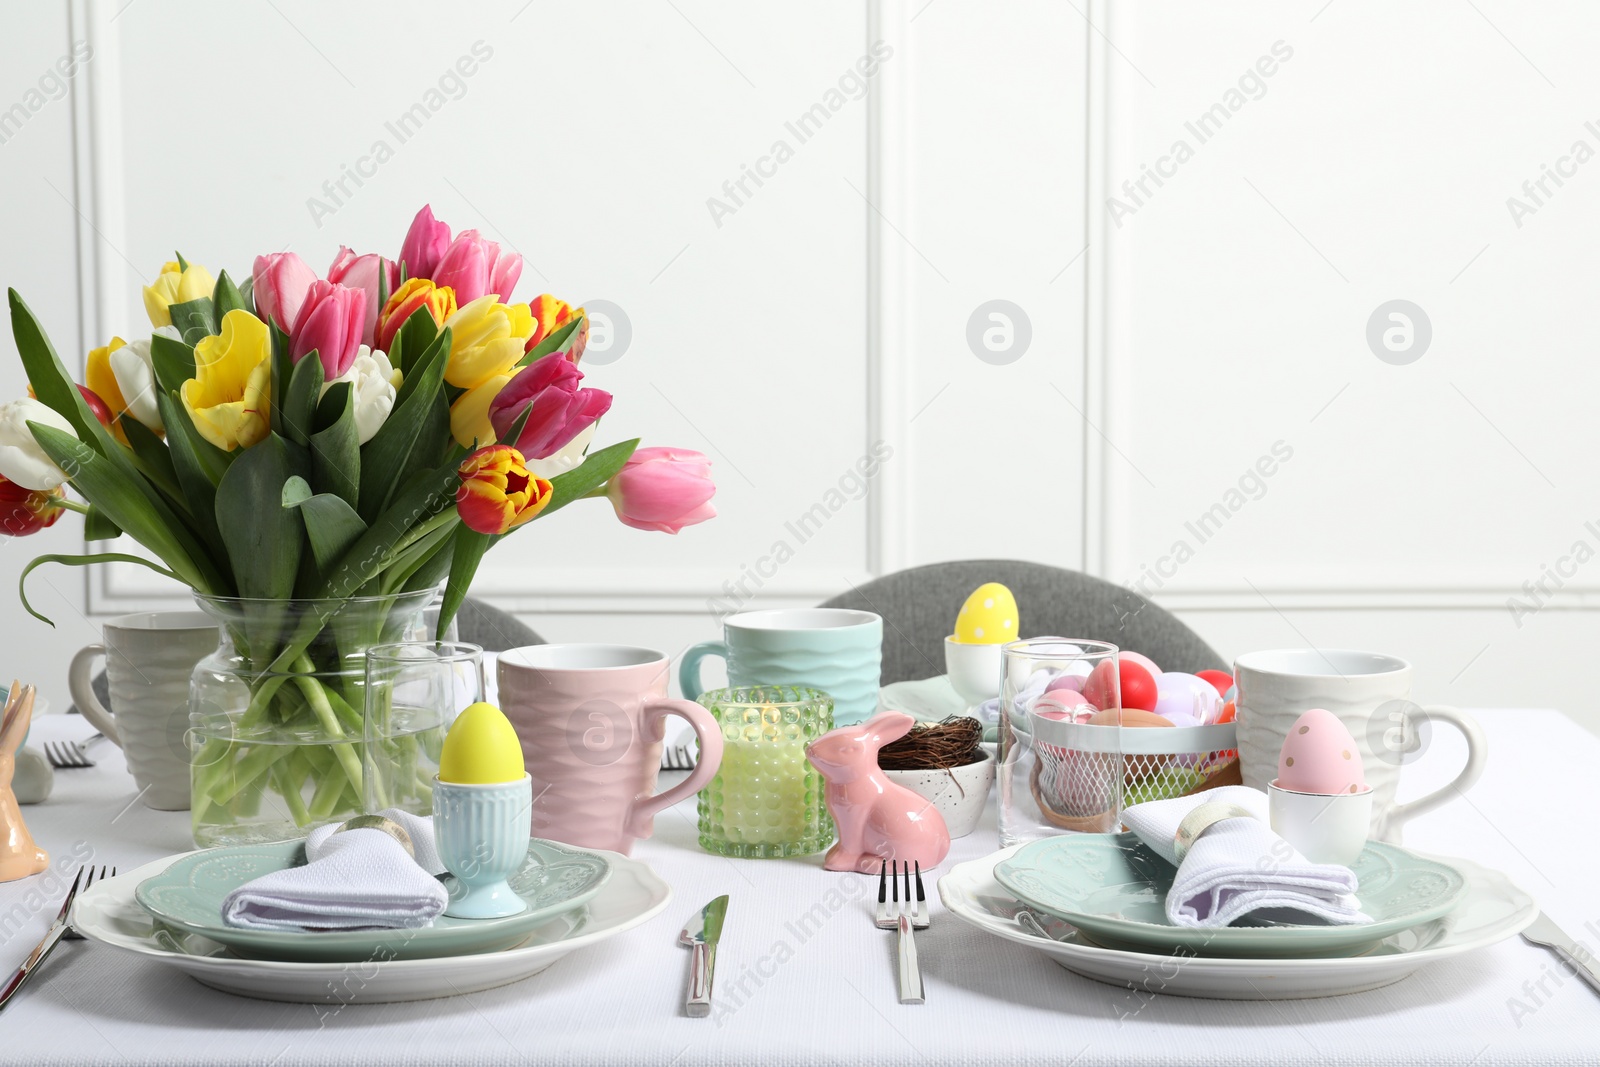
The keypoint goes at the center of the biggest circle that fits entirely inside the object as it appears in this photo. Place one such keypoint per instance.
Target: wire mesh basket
(1074, 778)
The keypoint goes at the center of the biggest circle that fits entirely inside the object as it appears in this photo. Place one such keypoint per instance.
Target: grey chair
(919, 606)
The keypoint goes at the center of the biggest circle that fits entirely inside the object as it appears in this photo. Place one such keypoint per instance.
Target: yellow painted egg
(989, 617)
(481, 748)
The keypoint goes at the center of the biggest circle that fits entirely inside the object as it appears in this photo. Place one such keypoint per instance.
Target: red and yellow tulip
(498, 493)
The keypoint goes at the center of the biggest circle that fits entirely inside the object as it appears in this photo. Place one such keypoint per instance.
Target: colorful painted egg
(1142, 660)
(1063, 705)
(1187, 699)
(482, 748)
(1138, 686)
(1320, 756)
(1221, 679)
(989, 617)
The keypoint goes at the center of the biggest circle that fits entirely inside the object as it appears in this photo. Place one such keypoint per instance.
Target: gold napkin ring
(1200, 820)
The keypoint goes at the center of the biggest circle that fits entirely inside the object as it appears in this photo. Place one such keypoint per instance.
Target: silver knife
(1546, 934)
(702, 932)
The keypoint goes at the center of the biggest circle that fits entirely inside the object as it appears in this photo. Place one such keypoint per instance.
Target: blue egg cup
(482, 835)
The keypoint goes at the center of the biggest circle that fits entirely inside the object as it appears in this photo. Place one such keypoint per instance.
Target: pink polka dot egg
(1319, 756)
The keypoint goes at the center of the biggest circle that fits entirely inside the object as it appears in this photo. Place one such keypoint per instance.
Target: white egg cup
(482, 835)
(1323, 827)
(974, 670)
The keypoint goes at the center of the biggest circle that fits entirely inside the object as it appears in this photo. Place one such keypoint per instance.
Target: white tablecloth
(804, 978)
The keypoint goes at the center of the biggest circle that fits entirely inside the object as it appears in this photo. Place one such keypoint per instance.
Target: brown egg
(1130, 717)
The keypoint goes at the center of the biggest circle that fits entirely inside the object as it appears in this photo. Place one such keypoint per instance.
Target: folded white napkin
(357, 880)
(1239, 866)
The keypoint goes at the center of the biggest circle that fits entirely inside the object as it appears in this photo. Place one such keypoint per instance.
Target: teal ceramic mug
(836, 650)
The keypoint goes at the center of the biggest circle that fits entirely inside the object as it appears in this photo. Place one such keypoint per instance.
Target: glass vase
(277, 740)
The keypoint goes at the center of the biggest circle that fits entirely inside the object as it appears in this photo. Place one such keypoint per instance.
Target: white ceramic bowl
(957, 793)
(1326, 828)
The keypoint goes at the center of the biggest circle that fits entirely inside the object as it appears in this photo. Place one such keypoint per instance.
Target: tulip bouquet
(321, 442)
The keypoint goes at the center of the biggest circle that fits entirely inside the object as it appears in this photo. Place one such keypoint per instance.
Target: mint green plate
(188, 896)
(1114, 890)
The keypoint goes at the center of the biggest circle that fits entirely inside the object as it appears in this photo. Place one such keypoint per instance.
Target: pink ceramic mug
(591, 719)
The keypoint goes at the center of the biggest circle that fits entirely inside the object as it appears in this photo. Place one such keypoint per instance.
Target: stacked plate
(1095, 904)
(171, 911)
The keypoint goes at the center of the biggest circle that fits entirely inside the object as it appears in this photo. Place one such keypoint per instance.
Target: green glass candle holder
(766, 800)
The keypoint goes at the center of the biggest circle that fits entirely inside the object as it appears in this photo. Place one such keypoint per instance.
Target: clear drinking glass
(1061, 766)
(415, 690)
(766, 799)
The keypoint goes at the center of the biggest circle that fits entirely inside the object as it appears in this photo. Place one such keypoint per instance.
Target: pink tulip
(559, 410)
(329, 323)
(363, 272)
(474, 266)
(279, 284)
(663, 489)
(425, 244)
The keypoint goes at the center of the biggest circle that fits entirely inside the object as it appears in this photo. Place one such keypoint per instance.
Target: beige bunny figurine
(19, 856)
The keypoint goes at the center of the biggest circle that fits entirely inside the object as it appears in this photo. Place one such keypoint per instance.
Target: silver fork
(64, 755)
(677, 758)
(904, 916)
(58, 930)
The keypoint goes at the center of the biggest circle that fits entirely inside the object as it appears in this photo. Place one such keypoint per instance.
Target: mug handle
(689, 669)
(642, 815)
(1477, 757)
(78, 684)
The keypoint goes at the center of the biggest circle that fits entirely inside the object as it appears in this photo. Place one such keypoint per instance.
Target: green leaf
(466, 554)
(79, 561)
(54, 386)
(263, 541)
(96, 527)
(227, 297)
(195, 319)
(557, 339)
(151, 456)
(198, 469)
(282, 371)
(247, 291)
(173, 361)
(133, 505)
(332, 526)
(383, 283)
(336, 449)
(183, 264)
(418, 500)
(212, 461)
(385, 458)
(414, 337)
(598, 469)
(300, 399)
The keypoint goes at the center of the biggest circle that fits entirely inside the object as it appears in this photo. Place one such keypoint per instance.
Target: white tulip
(373, 381)
(134, 370)
(21, 459)
(565, 460)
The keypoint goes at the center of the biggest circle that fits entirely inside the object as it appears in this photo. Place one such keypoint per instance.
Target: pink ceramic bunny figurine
(878, 820)
(19, 856)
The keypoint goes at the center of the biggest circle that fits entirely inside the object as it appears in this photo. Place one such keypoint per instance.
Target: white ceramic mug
(1371, 695)
(149, 657)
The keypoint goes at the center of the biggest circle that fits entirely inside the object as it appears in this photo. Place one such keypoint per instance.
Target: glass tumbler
(1061, 763)
(766, 800)
(414, 691)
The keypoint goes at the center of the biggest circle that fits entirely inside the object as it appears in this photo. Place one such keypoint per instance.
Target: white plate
(107, 912)
(1492, 909)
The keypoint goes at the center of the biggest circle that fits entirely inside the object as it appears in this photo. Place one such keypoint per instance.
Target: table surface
(804, 978)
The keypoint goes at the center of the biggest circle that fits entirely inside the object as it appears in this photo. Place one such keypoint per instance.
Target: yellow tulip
(486, 340)
(228, 396)
(175, 286)
(469, 415)
(98, 377)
